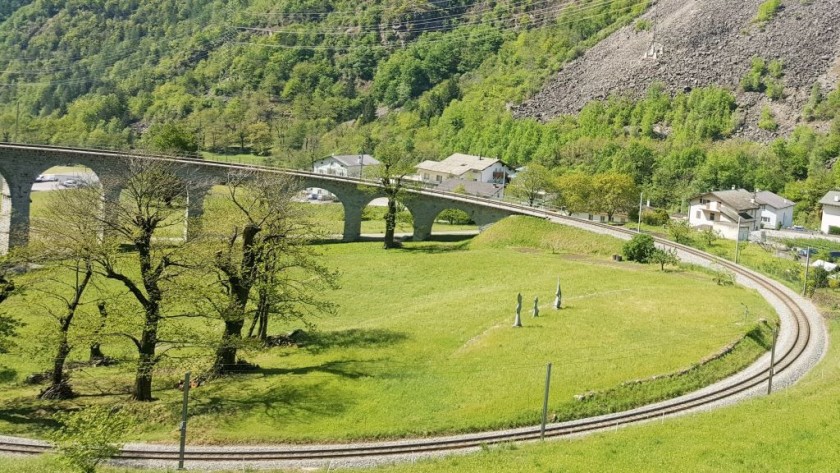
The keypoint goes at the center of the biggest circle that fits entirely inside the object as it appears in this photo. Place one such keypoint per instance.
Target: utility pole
(545, 400)
(183, 428)
(639, 227)
(17, 121)
(772, 360)
(738, 240)
(807, 266)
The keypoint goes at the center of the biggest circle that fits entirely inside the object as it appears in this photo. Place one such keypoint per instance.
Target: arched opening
(454, 221)
(373, 219)
(49, 190)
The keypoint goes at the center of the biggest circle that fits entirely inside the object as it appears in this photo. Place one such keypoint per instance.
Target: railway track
(801, 342)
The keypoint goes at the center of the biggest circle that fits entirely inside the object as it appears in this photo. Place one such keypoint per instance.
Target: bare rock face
(698, 43)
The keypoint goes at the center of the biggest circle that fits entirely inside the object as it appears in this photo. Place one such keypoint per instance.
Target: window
(765, 219)
(711, 217)
(698, 215)
(425, 176)
(439, 178)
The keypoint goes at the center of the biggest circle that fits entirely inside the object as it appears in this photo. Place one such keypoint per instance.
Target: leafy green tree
(263, 261)
(531, 183)
(664, 257)
(574, 192)
(640, 248)
(679, 231)
(396, 161)
(171, 138)
(613, 192)
(152, 200)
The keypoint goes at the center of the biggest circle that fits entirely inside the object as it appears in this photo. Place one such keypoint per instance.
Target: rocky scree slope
(698, 43)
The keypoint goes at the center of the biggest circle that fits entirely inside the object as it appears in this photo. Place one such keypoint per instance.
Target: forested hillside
(298, 79)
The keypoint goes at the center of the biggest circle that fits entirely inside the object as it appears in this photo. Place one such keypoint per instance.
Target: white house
(830, 211)
(466, 167)
(733, 213)
(346, 165)
(776, 211)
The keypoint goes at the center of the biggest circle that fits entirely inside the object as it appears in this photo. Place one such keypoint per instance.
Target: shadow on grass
(280, 402)
(349, 369)
(317, 342)
(35, 416)
(7, 375)
(433, 249)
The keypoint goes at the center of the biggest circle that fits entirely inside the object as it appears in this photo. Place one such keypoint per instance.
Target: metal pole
(807, 266)
(772, 360)
(639, 227)
(184, 421)
(545, 400)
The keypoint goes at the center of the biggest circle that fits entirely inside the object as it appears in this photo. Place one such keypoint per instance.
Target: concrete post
(194, 211)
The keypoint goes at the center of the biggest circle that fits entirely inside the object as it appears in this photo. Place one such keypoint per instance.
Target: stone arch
(426, 210)
(353, 199)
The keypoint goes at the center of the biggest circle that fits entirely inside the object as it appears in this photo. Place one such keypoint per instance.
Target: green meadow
(423, 344)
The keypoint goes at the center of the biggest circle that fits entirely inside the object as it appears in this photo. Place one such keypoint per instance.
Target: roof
(353, 159)
(738, 200)
(482, 189)
(831, 198)
(773, 200)
(458, 164)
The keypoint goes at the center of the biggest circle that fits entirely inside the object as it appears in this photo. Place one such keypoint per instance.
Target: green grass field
(423, 344)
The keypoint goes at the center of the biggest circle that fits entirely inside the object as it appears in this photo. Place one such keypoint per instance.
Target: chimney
(837, 198)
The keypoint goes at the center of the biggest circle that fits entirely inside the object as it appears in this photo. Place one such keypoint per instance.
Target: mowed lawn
(423, 344)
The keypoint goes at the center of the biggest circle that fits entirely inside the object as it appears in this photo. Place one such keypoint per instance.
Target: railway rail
(801, 343)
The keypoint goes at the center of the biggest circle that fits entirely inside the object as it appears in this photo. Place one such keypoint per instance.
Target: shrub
(775, 90)
(655, 217)
(663, 257)
(767, 121)
(767, 10)
(642, 25)
(455, 217)
(88, 437)
(640, 248)
(680, 232)
(833, 230)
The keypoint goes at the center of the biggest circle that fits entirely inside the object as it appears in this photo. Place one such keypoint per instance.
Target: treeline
(296, 80)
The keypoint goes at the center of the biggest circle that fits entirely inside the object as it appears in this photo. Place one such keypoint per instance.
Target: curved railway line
(801, 343)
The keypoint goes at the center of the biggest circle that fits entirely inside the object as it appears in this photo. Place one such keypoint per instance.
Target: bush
(767, 10)
(455, 217)
(833, 230)
(89, 436)
(640, 248)
(767, 121)
(680, 232)
(655, 217)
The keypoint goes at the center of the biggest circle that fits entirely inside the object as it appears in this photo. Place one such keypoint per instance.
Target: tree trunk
(59, 388)
(390, 223)
(96, 354)
(263, 310)
(146, 362)
(226, 353)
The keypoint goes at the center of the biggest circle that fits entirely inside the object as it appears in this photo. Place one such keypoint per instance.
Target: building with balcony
(465, 167)
(732, 213)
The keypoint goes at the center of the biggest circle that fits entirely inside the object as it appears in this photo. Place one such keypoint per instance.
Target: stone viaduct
(21, 164)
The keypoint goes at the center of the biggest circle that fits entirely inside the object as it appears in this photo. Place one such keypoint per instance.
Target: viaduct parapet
(20, 165)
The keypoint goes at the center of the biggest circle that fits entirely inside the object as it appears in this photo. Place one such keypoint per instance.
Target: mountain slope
(699, 43)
